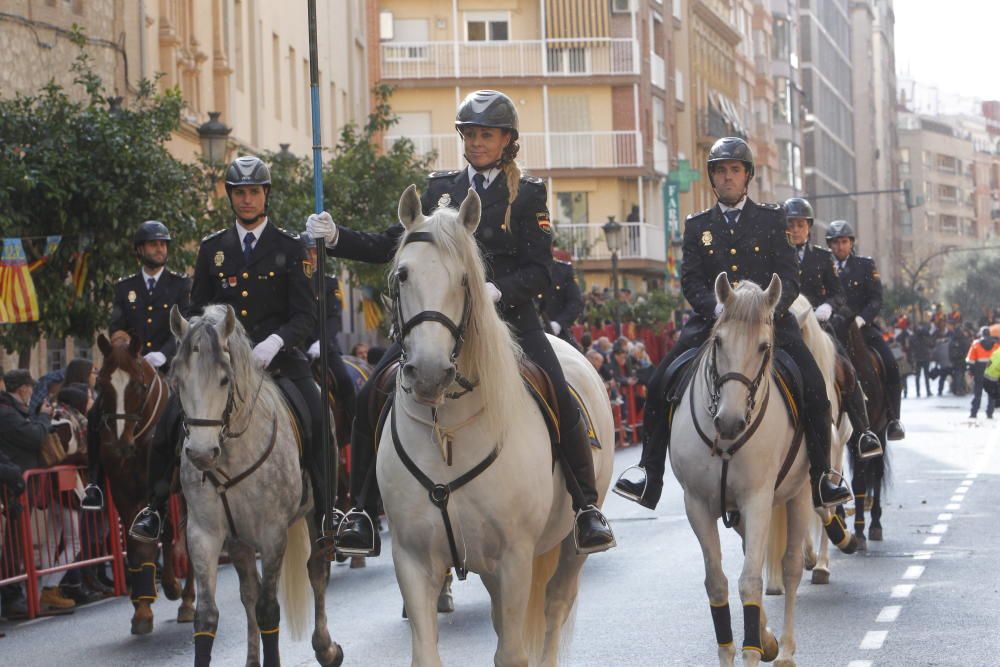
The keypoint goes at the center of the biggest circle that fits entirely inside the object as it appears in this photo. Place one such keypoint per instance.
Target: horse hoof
(336, 660)
(358, 562)
(809, 561)
(821, 575)
(446, 603)
(851, 546)
(875, 533)
(770, 646)
(775, 590)
(404, 612)
(784, 662)
(862, 542)
(185, 614)
(142, 626)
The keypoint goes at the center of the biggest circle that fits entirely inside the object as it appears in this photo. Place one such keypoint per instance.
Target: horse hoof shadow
(821, 576)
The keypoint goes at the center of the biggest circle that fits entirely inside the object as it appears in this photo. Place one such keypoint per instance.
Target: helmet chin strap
(250, 221)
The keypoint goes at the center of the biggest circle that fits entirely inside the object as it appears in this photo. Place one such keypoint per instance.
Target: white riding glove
(155, 359)
(313, 350)
(556, 327)
(494, 292)
(823, 312)
(265, 351)
(718, 309)
(321, 225)
(860, 321)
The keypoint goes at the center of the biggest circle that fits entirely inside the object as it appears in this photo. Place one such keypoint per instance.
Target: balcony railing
(544, 57)
(641, 240)
(568, 150)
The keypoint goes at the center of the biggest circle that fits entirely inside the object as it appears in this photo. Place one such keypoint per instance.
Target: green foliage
(76, 169)
(656, 309)
(974, 282)
(898, 299)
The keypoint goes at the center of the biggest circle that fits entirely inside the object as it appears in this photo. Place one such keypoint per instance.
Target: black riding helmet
(151, 230)
(839, 229)
(487, 108)
(797, 207)
(248, 170)
(732, 148)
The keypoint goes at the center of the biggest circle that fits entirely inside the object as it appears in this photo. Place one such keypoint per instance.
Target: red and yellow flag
(17, 291)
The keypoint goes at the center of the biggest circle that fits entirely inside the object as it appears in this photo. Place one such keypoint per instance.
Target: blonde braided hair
(510, 169)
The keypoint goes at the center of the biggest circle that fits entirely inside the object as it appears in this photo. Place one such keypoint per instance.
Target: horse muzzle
(428, 386)
(730, 427)
(203, 459)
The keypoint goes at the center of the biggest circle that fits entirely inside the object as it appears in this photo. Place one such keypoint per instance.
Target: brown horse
(131, 399)
(869, 478)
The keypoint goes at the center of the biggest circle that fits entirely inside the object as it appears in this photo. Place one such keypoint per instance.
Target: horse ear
(773, 291)
(723, 290)
(178, 325)
(228, 324)
(410, 213)
(134, 346)
(104, 345)
(470, 211)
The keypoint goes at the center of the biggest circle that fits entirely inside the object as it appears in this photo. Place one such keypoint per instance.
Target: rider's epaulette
(773, 207)
(214, 234)
(292, 235)
(533, 180)
(124, 278)
(444, 174)
(695, 215)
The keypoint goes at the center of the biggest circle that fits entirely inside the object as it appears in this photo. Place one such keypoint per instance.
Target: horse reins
(156, 384)
(400, 327)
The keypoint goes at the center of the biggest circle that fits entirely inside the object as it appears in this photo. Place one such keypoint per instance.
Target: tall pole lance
(324, 351)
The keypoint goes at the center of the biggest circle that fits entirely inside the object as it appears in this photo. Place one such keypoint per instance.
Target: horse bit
(716, 382)
(225, 433)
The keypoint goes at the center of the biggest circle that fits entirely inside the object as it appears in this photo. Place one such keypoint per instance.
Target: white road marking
(944, 516)
(889, 614)
(913, 572)
(972, 475)
(860, 663)
(958, 499)
(961, 491)
(932, 540)
(967, 482)
(922, 555)
(953, 506)
(901, 590)
(873, 640)
(939, 528)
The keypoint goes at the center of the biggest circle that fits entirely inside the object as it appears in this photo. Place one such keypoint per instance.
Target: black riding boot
(825, 492)
(592, 532)
(162, 461)
(894, 396)
(644, 483)
(869, 445)
(93, 494)
(357, 535)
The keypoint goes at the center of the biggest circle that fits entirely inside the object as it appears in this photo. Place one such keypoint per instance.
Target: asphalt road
(929, 594)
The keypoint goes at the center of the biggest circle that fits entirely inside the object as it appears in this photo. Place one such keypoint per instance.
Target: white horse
(512, 521)
(245, 490)
(732, 398)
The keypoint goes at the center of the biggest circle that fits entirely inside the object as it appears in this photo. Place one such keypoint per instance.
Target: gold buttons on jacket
(245, 275)
(756, 248)
(149, 308)
(149, 344)
(244, 294)
(149, 320)
(734, 267)
(243, 313)
(732, 251)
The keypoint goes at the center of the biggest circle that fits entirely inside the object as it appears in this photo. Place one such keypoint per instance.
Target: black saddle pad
(300, 410)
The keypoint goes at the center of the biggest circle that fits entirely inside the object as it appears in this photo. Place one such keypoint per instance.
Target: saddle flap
(379, 398)
(789, 379)
(299, 408)
(678, 375)
(540, 387)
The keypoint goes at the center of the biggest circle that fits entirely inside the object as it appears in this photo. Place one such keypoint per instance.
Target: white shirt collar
(258, 231)
(155, 276)
(488, 176)
(739, 205)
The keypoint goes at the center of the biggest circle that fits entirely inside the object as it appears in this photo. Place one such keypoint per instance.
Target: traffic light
(911, 201)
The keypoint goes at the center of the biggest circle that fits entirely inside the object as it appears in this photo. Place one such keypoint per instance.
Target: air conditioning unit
(621, 7)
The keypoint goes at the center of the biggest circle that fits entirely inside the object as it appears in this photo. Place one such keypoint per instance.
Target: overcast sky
(951, 45)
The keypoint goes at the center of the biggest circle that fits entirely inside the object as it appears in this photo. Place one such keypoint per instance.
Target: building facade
(591, 82)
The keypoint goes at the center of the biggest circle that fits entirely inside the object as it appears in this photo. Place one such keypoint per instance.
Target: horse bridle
(106, 419)
(400, 327)
(225, 433)
(716, 382)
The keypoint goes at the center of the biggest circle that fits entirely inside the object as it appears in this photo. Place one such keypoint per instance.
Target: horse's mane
(490, 354)
(245, 373)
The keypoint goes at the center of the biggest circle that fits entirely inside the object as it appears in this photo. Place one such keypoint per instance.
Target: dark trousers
(977, 392)
(345, 393)
(816, 410)
(944, 372)
(875, 341)
(925, 367)
(536, 347)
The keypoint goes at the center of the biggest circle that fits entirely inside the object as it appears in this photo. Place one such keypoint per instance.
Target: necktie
(731, 215)
(248, 245)
(480, 181)
(151, 283)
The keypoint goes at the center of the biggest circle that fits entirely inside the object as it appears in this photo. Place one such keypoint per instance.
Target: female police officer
(515, 237)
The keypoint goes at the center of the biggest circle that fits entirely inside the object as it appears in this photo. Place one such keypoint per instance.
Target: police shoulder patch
(214, 234)
(773, 207)
(534, 180)
(542, 217)
(444, 174)
(292, 235)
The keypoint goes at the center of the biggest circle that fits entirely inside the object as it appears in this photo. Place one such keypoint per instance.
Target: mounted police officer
(562, 304)
(863, 288)
(748, 242)
(141, 308)
(818, 282)
(260, 270)
(330, 291)
(515, 237)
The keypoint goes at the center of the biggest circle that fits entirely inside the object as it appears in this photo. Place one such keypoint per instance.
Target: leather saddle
(535, 379)
(784, 372)
(299, 409)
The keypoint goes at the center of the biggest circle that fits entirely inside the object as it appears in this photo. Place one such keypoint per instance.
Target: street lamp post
(613, 237)
(214, 137)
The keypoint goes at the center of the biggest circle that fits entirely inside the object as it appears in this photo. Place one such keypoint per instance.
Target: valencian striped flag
(17, 291)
